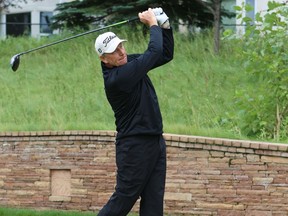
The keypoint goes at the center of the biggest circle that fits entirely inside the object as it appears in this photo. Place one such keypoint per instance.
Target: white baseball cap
(107, 43)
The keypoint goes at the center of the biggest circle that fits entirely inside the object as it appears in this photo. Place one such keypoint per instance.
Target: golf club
(15, 60)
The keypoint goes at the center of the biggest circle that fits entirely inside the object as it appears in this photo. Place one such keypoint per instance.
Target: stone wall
(75, 170)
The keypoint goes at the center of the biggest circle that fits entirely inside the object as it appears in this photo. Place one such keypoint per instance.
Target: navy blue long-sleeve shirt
(131, 93)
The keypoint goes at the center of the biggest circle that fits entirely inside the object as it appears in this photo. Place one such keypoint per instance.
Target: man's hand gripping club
(162, 18)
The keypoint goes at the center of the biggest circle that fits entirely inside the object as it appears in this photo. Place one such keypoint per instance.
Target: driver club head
(14, 62)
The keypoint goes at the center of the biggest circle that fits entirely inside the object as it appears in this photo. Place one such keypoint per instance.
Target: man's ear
(103, 59)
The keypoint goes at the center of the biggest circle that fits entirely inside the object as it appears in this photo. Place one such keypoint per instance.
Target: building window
(45, 20)
(60, 185)
(251, 13)
(18, 24)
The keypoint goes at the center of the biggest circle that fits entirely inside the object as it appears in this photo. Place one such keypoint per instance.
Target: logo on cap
(108, 39)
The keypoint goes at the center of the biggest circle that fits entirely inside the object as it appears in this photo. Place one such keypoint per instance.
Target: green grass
(29, 212)
(61, 87)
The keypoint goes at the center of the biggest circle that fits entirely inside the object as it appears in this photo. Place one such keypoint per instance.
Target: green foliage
(75, 14)
(83, 13)
(264, 103)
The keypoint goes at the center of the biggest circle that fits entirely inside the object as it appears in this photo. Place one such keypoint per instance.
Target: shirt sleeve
(168, 48)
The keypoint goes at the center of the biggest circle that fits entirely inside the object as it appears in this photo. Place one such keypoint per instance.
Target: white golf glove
(160, 15)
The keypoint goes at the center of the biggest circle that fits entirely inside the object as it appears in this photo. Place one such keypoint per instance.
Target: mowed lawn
(29, 212)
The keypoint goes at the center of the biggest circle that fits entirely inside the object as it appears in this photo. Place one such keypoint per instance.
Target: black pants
(141, 172)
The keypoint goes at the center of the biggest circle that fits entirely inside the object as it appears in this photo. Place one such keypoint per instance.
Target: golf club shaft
(79, 35)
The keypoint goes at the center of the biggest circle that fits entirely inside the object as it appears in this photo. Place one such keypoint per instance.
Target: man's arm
(168, 45)
(168, 39)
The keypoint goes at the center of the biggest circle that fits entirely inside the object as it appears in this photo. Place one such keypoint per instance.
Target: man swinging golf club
(140, 147)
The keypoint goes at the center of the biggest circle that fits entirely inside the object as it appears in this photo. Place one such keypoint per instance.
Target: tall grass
(61, 87)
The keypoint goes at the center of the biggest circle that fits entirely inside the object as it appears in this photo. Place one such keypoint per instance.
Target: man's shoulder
(132, 56)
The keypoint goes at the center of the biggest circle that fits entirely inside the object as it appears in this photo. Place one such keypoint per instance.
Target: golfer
(140, 147)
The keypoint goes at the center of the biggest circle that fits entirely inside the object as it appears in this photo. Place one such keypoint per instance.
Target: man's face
(117, 58)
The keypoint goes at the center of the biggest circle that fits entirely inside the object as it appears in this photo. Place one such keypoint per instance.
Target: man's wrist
(166, 24)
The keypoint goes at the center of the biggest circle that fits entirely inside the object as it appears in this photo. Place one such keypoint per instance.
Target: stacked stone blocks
(75, 170)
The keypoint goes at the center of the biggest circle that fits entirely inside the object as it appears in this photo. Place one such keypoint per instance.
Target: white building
(31, 18)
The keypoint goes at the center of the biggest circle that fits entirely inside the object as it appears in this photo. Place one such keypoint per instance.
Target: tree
(215, 9)
(76, 14)
(5, 4)
(81, 13)
(217, 22)
(192, 13)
